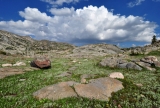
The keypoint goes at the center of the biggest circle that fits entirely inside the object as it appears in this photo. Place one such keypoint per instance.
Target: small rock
(22, 79)
(132, 65)
(74, 61)
(72, 68)
(83, 81)
(116, 75)
(19, 64)
(121, 65)
(6, 65)
(84, 76)
(65, 74)
(139, 85)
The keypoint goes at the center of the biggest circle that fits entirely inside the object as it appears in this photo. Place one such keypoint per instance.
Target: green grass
(154, 53)
(18, 94)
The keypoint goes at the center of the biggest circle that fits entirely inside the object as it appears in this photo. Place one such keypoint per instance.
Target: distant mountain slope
(96, 50)
(15, 44)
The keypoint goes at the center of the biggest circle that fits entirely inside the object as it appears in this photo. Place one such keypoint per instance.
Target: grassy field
(16, 91)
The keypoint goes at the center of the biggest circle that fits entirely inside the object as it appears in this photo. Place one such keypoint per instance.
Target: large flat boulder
(100, 88)
(56, 91)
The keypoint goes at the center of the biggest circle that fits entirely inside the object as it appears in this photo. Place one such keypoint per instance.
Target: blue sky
(124, 23)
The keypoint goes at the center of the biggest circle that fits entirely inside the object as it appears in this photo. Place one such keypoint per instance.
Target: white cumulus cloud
(60, 2)
(87, 25)
(63, 11)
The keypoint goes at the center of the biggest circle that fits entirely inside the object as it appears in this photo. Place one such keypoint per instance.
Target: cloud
(133, 45)
(62, 12)
(87, 25)
(135, 3)
(60, 2)
(33, 14)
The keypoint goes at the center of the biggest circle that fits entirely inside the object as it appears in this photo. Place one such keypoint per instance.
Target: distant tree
(154, 39)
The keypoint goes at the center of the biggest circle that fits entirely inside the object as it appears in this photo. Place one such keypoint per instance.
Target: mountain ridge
(15, 44)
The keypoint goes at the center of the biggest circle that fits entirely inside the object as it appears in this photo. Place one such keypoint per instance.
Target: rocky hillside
(15, 44)
(96, 50)
(143, 50)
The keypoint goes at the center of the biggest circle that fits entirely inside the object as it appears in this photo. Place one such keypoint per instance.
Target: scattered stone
(22, 79)
(19, 64)
(119, 63)
(122, 65)
(145, 65)
(100, 88)
(149, 59)
(56, 91)
(139, 85)
(116, 75)
(111, 62)
(26, 69)
(72, 68)
(65, 74)
(132, 65)
(85, 76)
(74, 61)
(6, 65)
(156, 63)
(83, 81)
(4, 72)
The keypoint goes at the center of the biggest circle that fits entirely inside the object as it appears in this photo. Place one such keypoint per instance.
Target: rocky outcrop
(56, 91)
(8, 71)
(24, 45)
(100, 89)
(96, 50)
(143, 50)
(148, 62)
(115, 62)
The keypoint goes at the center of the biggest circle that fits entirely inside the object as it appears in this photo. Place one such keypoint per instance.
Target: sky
(125, 23)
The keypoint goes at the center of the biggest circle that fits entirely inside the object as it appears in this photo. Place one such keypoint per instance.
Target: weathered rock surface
(119, 63)
(132, 65)
(8, 71)
(6, 65)
(14, 44)
(85, 76)
(4, 72)
(110, 62)
(149, 59)
(19, 64)
(116, 75)
(100, 88)
(65, 74)
(148, 62)
(41, 62)
(95, 50)
(56, 91)
(145, 65)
